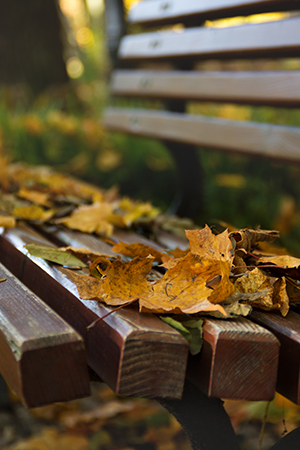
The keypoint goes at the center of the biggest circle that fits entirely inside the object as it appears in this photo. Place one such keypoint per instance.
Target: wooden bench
(137, 354)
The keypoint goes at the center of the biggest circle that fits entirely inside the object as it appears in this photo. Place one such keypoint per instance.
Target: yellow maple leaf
(183, 288)
(37, 197)
(123, 282)
(7, 221)
(33, 212)
(90, 219)
(207, 245)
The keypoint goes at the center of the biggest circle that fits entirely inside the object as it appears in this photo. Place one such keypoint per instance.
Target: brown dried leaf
(247, 238)
(276, 297)
(280, 296)
(137, 249)
(284, 265)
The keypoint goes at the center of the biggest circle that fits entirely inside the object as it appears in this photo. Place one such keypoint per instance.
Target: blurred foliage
(62, 127)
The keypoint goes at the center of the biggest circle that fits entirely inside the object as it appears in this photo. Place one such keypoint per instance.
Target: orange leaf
(207, 245)
(123, 283)
(183, 288)
(137, 249)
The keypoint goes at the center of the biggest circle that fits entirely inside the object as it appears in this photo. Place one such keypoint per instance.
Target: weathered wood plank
(287, 330)
(238, 361)
(135, 354)
(280, 38)
(172, 11)
(258, 88)
(274, 141)
(233, 353)
(42, 358)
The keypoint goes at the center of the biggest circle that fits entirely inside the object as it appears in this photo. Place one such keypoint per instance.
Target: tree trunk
(30, 44)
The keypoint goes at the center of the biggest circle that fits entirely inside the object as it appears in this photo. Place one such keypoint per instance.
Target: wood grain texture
(172, 11)
(238, 360)
(135, 354)
(280, 38)
(287, 330)
(274, 141)
(258, 88)
(42, 358)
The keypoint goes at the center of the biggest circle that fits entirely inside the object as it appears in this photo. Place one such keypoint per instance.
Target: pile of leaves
(222, 275)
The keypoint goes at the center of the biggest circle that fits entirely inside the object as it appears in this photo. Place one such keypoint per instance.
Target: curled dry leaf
(284, 265)
(247, 238)
(273, 292)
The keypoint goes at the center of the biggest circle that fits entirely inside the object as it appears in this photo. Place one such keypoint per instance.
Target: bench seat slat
(275, 141)
(115, 345)
(170, 11)
(259, 88)
(252, 40)
(248, 345)
(287, 330)
(233, 353)
(42, 358)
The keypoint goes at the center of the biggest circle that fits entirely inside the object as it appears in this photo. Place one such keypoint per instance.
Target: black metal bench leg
(204, 420)
(289, 442)
(4, 397)
(189, 198)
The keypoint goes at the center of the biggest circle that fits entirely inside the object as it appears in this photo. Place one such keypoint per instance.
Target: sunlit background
(60, 124)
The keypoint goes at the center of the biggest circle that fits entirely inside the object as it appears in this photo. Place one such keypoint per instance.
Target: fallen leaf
(129, 211)
(123, 282)
(247, 238)
(137, 249)
(55, 255)
(99, 266)
(82, 252)
(207, 245)
(284, 265)
(273, 294)
(7, 221)
(183, 288)
(191, 330)
(37, 197)
(90, 219)
(33, 212)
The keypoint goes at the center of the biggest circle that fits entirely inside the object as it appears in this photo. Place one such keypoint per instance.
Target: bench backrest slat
(276, 141)
(264, 39)
(259, 88)
(168, 11)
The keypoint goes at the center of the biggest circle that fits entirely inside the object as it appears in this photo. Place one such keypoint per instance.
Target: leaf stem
(91, 325)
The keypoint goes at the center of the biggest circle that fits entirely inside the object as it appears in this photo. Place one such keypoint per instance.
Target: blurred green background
(51, 102)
